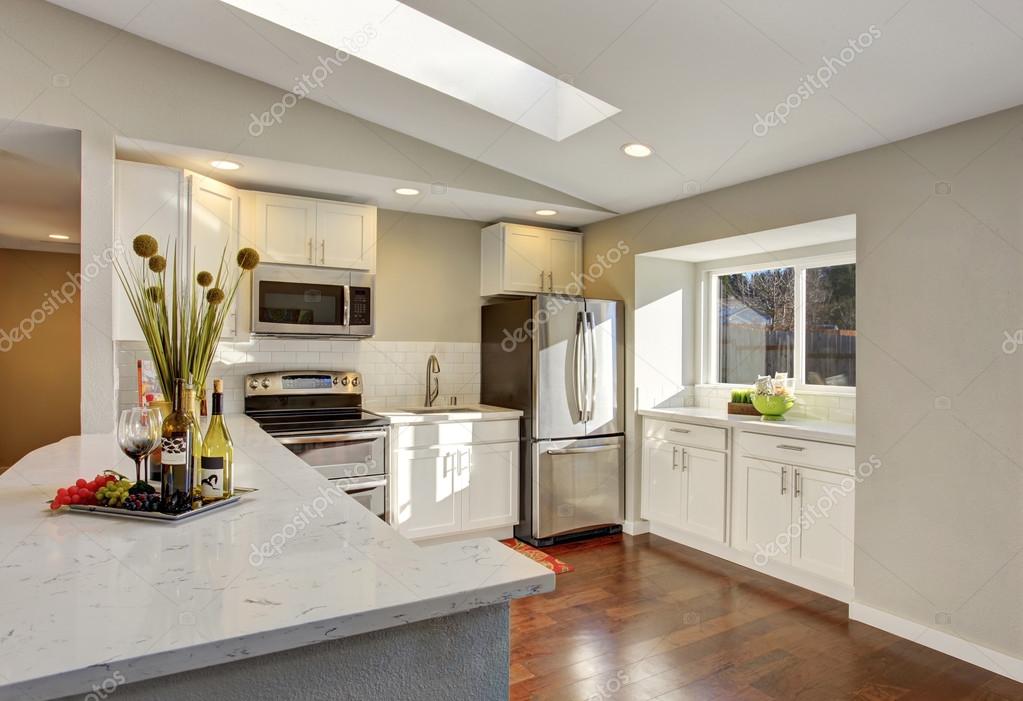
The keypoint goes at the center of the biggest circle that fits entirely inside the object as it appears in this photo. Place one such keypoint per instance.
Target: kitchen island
(296, 592)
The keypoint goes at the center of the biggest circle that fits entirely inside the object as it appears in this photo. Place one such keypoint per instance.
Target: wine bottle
(191, 407)
(177, 460)
(217, 452)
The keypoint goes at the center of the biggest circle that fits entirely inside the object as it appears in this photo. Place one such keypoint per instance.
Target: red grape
(65, 500)
(62, 491)
(91, 485)
(80, 483)
(76, 499)
(54, 505)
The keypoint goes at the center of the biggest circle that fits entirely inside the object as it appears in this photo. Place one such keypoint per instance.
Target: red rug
(549, 561)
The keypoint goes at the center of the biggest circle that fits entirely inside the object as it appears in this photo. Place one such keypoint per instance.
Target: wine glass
(138, 434)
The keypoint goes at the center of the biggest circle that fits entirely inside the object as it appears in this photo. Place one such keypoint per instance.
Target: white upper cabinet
(213, 234)
(148, 199)
(520, 259)
(305, 231)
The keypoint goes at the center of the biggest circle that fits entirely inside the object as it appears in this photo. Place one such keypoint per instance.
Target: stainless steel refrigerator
(560, 360)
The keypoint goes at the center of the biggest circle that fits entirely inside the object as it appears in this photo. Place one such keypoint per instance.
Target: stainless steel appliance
(311, 301)
(561, 361)
(319, 417)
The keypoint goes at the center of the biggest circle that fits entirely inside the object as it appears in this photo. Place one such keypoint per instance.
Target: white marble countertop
(468, 412)
(791, 427)
(87, 597)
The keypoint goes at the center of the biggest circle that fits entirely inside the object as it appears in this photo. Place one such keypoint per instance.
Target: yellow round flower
(204, 278)
(145, 246)
(248, 258)
(157, 264)
(215, 295)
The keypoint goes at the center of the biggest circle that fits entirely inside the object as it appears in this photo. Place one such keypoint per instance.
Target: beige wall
(39, 373)
(428, 278)
(939, 527)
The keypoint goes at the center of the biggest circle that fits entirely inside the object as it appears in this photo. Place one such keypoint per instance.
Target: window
(798, 318)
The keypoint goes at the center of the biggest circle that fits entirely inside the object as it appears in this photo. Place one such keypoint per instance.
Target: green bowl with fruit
(773, 407)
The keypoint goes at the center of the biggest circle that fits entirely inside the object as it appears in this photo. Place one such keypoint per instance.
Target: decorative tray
(156, 515)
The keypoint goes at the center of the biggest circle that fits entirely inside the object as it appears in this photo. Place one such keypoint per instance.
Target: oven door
(342, 455)
(371, 492)
(295, 299)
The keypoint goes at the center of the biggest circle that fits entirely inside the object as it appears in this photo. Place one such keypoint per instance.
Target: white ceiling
(785, 238)
(40, 183)
(689, 78)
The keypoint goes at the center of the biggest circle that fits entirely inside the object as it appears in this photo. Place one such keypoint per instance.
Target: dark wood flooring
(644, 618)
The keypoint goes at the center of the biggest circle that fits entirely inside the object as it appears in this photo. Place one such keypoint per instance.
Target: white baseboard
(635, 527)
(786, 573)
(984, 657)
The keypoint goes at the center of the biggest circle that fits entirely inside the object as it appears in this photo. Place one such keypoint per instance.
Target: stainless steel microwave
(301, 300)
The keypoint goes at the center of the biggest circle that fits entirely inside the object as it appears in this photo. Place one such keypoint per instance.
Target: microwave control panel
(359, 311)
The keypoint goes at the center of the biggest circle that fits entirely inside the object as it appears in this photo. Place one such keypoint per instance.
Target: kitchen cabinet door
(285, 227)
(823, 511)
(490, 475)
(566, 256)
(705, 492)
(663, 500)
(147, 199)
(764, 508)
(428, 503)
(214, 235)
(345, 236)
(526, 259)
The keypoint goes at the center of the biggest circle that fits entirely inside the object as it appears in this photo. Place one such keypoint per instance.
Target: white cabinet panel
(345, 235)
(705, 492)
(285, 227)
(214, 235)
(526, 259)
(662, 478)
(765, 510)
(824, 512)
(490, 473)
(566, 256)
(427, 502)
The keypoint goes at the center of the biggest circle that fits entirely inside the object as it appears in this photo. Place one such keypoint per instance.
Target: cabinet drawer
(694, 435)
(454, 433)
(796, 451)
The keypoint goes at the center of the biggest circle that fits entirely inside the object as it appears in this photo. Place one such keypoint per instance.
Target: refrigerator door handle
(591, 351)
(580, 366)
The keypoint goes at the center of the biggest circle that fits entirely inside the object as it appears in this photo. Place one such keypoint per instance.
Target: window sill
(814, 390)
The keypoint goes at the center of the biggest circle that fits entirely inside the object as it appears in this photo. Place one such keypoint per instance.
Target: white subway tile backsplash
(394, 372)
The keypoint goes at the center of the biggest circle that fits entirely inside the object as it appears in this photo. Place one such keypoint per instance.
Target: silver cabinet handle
(674, 458)
(550, 281)
(310, 250)
(796, 448)
(796, 483)
(784, 473)
(588, 449)
(685, 460)
(542, 274)
(323, 252)
(680, 430)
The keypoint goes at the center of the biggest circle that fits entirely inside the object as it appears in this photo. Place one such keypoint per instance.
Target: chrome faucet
(432, 383)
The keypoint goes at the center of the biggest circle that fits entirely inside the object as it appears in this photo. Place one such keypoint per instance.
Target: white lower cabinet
(792, 501)
(446, 490)
(685, 487)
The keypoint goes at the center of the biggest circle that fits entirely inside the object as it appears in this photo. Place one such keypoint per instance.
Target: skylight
(405, 41)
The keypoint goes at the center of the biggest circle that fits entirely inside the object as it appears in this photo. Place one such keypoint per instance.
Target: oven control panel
(303, 382)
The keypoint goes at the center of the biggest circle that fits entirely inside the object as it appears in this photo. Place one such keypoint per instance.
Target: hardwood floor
(644, 618)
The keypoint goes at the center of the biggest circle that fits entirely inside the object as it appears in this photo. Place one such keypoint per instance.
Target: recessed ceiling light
(59, 237)
(637, 150)
(546, 212)
(225, 165)
(406, 191)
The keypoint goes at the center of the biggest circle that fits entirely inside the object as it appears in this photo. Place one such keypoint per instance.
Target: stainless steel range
(319, 417)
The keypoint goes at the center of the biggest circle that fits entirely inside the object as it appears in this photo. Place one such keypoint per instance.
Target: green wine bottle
(177, 445)
(217, 452)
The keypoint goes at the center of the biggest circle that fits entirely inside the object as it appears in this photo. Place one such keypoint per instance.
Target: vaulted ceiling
(702, 81)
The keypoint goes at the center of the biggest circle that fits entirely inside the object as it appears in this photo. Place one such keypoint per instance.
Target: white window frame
(708, 344)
